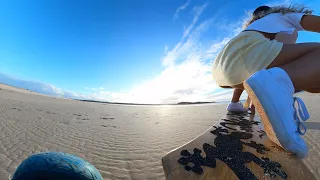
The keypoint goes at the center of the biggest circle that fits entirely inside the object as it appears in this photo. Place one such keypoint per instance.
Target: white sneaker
(236, 107)
(271, 91)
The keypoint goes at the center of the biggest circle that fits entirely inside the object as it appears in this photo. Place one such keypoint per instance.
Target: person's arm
(311, 23)
(302, 21)
(287, 38)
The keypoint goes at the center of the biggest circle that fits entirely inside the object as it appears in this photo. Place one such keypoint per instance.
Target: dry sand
(123, 142)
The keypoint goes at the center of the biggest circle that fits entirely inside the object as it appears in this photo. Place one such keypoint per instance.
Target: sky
(136, 51)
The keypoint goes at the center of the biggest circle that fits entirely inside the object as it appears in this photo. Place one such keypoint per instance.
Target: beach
(121, 141)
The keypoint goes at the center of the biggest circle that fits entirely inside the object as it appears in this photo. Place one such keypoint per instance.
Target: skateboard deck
(236, 147)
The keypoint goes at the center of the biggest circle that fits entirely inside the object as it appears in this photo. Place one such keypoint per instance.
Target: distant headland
(179, 103)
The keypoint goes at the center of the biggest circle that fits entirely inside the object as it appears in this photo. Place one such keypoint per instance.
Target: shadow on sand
(312, 125)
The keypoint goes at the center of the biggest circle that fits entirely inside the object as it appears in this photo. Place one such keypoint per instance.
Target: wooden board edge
(165, 157)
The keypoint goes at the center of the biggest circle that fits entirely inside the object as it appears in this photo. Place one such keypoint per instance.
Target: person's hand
(287, 38)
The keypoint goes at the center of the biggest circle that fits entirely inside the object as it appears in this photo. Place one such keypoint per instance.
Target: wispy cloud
(182, 49)
(184, 6)
(166, 48)
(197, 11)
(187, 75)
(226, 95)
(39, 87)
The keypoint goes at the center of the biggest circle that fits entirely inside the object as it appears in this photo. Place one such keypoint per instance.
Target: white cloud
(39, 87)
(184, 82)
(188, 43)
(197, 11)
(184, 6)
(213, 50)
(166, 48)
(187, 75)
(226, 95)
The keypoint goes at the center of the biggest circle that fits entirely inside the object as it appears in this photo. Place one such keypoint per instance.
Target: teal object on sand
(56, 166)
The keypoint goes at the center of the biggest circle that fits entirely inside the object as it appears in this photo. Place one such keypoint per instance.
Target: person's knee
(238, 86)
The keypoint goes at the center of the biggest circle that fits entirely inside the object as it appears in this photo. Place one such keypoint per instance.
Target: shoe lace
(303, 115)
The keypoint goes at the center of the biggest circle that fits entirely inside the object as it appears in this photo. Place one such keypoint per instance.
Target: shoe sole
(264, 118)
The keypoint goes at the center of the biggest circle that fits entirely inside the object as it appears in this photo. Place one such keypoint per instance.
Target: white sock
(282, 78)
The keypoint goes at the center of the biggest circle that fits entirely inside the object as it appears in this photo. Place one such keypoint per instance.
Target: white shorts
(242, 56)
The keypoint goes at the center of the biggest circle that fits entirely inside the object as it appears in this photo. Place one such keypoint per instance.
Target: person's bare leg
(236, 95)
(236, 98)
(305, 71)
(302, 64)
(291, 52)
(235, 105)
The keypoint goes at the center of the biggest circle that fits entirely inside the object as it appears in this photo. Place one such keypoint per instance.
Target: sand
(122, 142)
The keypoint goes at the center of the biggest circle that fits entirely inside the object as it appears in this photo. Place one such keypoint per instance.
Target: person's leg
(296, 68)
(236, 95)
(252, 108)
(301, 63)
(235, 105)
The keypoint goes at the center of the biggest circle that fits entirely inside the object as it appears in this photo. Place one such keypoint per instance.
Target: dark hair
(261, 9)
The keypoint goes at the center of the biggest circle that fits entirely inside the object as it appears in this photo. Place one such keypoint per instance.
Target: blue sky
(129, 51)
